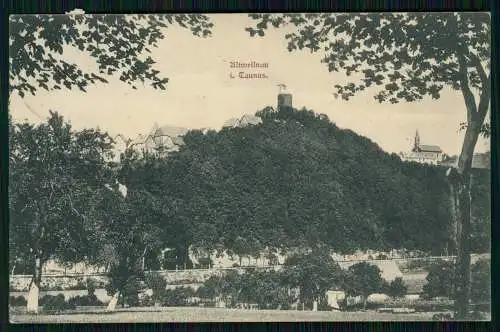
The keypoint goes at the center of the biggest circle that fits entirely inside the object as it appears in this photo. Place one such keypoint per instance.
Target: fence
(474, 257)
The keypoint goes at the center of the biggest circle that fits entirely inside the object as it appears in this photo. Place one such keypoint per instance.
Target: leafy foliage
(17, 301)
(408, 55)
(296, 180)
(268, 289)
(118, 43)
(363, 279)
(293, 181)
(313, 273)
(56, 303)
(136, 226)
(158, 284)
(481, 281)
(397, 288)
(440, 280)
(225, 285)
(178, 296)
(481, 211)
(57, 178)
(85, 300)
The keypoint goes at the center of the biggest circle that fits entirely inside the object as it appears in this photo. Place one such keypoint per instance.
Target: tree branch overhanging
(474, 59)
(469, 99)
(484, 100)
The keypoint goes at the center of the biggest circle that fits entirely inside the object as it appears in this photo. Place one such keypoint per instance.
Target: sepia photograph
(256, 167)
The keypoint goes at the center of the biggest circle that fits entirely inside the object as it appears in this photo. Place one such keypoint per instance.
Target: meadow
(194, 314)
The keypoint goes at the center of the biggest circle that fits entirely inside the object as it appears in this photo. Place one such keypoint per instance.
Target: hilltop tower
(284, 97)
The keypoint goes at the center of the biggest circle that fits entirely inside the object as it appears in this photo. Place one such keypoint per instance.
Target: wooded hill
(297, 180)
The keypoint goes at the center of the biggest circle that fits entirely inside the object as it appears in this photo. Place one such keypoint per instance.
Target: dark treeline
(297, 180)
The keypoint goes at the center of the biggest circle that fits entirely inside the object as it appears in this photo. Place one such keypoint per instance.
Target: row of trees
(442, 278)
(294, 181)
(297, 180)
(406, 57)
(433, 51)
(305, 278)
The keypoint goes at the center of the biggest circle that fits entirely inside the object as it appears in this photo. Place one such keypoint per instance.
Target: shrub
(91, 286)
(13, 288)
(363, 279)
(323, 304)
(440, 280)
(204, 292)
(17, 301)
(178, 296)
(130, 293)
(342, 304)
(147, 301)
(158, 284)
(481, 281)
(85, 300)
(397, 288)
(55, 303)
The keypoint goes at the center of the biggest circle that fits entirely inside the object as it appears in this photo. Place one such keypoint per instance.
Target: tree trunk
(143, 258)
(113, 302)
(460, 183)
(462, 287)
(34, 290)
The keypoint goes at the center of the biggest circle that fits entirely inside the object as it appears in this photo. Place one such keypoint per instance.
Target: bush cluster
(85, 300)
(17, 301)
(55, 303)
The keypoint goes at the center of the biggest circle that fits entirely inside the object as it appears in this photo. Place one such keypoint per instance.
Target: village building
(425, 154)
(162, 140)
(434, 155)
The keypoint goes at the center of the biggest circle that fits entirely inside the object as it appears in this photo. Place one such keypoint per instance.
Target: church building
(426, 154)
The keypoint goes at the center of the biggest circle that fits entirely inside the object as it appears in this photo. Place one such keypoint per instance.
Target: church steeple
(416, 145)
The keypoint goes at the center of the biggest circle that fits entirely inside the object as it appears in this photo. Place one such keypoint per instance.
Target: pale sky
(200, 93)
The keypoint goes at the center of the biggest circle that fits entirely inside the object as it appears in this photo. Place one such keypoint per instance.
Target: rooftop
(245, 120)
(429, 148)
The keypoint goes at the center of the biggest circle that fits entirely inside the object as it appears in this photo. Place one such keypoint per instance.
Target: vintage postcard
(249, 167)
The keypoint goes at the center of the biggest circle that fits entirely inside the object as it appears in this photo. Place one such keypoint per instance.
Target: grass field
(193, 314)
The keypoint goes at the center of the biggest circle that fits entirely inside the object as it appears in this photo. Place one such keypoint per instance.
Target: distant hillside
(294, 180)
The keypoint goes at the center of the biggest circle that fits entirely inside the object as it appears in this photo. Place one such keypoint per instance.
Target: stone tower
(284, 98)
